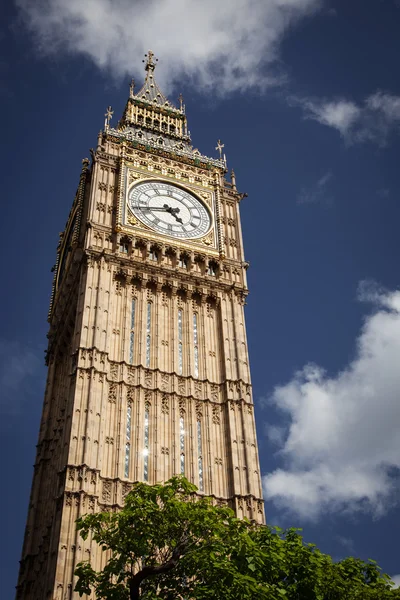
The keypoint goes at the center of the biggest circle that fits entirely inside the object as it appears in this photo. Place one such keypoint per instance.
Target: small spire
(108, 116)
(182, 106)
(150, 64)
(131, 88)
(219, 147)
(233, 179)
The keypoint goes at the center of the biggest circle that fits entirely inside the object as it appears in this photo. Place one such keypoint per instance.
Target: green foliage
(169, 543)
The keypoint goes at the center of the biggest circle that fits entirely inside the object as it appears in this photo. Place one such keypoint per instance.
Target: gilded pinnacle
(150, 64)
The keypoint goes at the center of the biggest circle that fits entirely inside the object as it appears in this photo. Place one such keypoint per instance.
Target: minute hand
(155, 208)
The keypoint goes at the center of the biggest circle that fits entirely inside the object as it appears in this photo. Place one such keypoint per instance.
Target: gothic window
(148, 121)
(182, 443)
(164, 126)
(148, 334)
(212, 269)
(132, 332)
(123, 247)
(183, 261)
(153, 254)
(172, 128)
(140, 119)
(128, 439)
(146, 445)
(195, 346)
(180, 347)
(200, 456)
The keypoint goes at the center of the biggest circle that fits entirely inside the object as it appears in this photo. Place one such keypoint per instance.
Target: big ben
(148, 367)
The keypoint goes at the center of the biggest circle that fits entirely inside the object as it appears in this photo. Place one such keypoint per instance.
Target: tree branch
(152, 570)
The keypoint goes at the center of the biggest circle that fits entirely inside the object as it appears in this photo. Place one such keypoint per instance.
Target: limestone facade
(148, 367)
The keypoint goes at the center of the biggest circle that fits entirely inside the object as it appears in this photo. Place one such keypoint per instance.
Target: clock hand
(166, 209)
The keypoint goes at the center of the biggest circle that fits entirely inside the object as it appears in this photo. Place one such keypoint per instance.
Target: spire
(149, 110)
(150, 92)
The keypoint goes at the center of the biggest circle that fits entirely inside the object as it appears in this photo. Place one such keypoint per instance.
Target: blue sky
(305, 95)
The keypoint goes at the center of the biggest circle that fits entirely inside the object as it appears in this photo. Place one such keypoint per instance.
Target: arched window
(212, 269)
(183, 261)
(200, 456)
(195, 346)
(148, 334)
(153, 255)
(180, 342)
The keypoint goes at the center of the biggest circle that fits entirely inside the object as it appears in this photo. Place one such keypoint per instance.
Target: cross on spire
(219, 147)
(150, 64)
(131, 88)
(108, 116)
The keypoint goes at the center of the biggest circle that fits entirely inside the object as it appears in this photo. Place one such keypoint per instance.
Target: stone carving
(214, 392)
(106, 492)
(165, 404)
(199, 410)
(131, 375)
(216, 409)
(82, 473)
(126, 488)
(164, 381)
(182, 406)
(181, 385)
(148, 378)
(112, 393)
(113, 371)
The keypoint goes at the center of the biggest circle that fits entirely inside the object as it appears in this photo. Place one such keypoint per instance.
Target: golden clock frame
(131, 171)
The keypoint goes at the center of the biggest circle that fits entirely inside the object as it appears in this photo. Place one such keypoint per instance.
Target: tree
(169, 543)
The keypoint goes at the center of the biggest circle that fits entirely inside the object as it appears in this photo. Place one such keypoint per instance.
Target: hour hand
(174, 212)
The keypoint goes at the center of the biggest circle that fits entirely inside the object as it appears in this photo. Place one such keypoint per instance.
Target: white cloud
(317, 193)
(339, 114)
(396, 580)
(229, 43)
(342, 439)
(373, 120)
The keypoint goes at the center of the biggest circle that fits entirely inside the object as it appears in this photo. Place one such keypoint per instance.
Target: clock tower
(148, 367)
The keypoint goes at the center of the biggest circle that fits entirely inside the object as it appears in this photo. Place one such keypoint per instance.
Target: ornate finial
(180, 99)
(219, 147)
(150, 64)
(85, 163)
(233, 179)
(131, 88)
(108, 116)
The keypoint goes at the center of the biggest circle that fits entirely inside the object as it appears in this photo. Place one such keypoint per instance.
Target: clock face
(169, 210)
